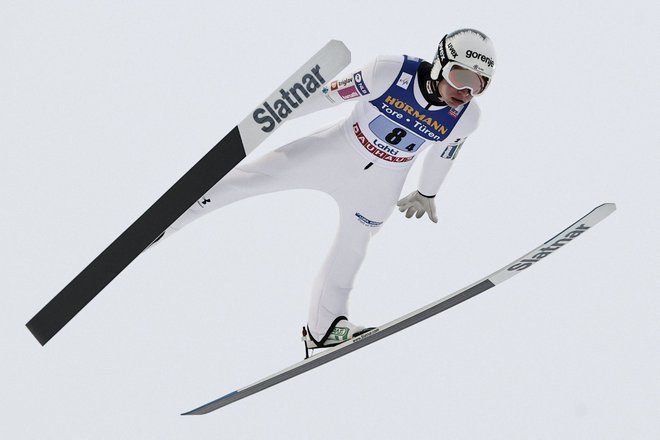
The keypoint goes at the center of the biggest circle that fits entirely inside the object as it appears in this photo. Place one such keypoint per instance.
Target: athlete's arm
(436, 165)
(441, 155)
(367, 83)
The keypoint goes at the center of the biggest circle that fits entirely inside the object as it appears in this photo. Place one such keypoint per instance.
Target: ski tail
(528, 260)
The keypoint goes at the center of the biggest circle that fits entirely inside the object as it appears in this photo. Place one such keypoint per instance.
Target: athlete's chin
(455, 102)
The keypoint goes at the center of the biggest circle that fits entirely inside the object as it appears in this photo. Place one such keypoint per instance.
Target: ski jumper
(361, 161)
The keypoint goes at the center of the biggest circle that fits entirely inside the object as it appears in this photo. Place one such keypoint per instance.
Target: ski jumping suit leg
(322, 161)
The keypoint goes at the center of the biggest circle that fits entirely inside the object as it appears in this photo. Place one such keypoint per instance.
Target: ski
(225, 155)
(506, 272)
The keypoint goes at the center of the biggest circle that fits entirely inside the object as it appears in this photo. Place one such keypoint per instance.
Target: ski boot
(339, 332)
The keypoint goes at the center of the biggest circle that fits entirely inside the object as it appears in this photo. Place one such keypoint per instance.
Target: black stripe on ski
(497, 277)
(115, 258)
(342, 350)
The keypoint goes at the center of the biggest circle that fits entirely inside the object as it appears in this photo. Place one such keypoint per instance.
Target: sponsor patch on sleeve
(451, 151)
(345, 88)
(359, 83)
(348, 92)
(326, 93)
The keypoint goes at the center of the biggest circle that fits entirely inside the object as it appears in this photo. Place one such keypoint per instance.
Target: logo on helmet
(441, 52)
(452, 50)
(472, 54)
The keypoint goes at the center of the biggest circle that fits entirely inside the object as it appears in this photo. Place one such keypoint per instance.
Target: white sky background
(104, 105)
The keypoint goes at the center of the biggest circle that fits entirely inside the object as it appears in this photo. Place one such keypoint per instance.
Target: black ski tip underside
(221, 159)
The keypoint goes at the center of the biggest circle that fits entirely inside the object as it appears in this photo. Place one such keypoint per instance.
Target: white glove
(416, 202)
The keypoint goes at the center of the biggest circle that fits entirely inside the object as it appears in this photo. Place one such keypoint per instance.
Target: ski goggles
(460, 78)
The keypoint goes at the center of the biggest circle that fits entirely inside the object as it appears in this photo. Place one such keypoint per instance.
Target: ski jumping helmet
(466, 60)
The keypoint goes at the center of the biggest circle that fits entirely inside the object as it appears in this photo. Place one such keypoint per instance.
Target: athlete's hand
(418, 204)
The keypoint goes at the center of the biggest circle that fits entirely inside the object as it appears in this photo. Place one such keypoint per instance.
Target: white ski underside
(211, 168)
(506, 272)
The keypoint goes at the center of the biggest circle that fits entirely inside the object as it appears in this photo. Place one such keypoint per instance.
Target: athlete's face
(452, 96)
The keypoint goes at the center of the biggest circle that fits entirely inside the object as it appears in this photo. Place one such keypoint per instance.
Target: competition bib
(395, 126)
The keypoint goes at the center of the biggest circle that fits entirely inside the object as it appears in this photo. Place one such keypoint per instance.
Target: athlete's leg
(365, 202)
(334, 282)
(296, 165)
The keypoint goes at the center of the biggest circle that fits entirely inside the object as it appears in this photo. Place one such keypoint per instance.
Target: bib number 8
(395, 136)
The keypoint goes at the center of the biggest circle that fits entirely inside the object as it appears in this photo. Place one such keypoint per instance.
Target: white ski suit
(362, 162)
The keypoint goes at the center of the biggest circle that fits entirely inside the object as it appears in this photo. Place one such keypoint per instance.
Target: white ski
(285, 101)
(526, 261)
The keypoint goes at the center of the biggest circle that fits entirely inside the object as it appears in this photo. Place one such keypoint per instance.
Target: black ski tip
(212, 406)
(38, 333)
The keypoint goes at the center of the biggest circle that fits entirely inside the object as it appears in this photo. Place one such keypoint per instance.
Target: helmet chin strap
(433, 89)
(428, 85)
